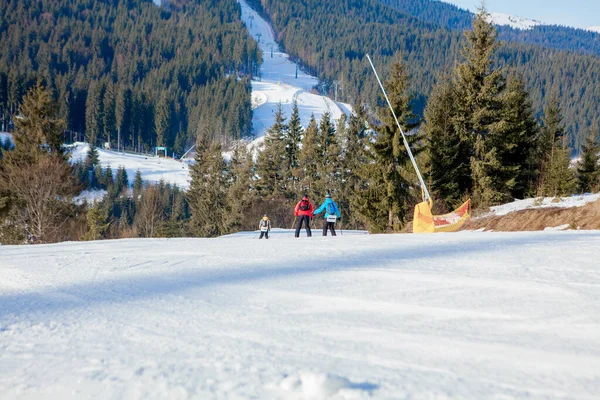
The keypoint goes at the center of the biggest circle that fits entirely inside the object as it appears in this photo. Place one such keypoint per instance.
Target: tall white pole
(412, 158)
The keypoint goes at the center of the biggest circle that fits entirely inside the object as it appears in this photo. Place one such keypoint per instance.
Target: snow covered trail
(462, 316)
(152, 169)
(279, 83)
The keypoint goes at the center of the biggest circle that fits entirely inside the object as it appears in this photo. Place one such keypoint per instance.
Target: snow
(153, 169)
(90, 196)
(279, 83)
(513, 21)
(4, 136)
(544, 202)
(447, 316)
(594, 29)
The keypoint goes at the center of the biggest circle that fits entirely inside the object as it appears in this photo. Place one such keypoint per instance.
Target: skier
(304, 211)
(332, 214)
(265, 226)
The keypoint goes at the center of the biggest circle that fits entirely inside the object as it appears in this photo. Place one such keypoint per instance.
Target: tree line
(128, 72)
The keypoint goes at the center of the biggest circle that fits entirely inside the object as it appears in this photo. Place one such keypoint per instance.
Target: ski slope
(152, 169)
(278, 83)
(447, 316)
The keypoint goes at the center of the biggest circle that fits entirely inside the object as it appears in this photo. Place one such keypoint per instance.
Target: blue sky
(577, 13)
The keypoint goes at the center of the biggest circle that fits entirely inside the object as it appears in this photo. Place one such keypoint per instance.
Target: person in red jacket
(304, 212)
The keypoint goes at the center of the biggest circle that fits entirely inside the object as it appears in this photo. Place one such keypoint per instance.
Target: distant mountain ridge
(510, 28)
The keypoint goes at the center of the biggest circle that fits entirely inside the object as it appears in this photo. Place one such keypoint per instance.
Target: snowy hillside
(153, 169)
(279, 82)
(449, 316)
(513, 21)
(594, 29)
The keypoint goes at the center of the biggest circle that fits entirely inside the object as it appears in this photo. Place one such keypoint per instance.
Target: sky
(576, 13)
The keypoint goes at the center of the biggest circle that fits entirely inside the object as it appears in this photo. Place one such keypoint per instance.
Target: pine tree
(36, 180)
(328, 165)
(271, 165)
(240, 190)
(109, 121)
(121, 181)
(207, 196)
(162, 120)
(445, 161)
(384, 204)
(94, 113)
(478, 105)
(588, 170)
(309, 154)
(518, 134)
(354, 156)
(556, 178)
(293, 139)
(137, 185)
(97, 221)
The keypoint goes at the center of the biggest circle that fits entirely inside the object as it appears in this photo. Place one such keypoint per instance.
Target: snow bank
(543, 202)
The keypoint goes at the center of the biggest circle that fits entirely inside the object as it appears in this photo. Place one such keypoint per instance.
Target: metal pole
(412, 158)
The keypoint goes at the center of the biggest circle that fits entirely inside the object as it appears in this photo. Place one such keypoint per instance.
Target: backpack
(304, 205)
(331, 209)
(264, 222)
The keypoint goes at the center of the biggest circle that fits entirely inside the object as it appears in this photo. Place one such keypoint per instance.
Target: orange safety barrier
(425, 222)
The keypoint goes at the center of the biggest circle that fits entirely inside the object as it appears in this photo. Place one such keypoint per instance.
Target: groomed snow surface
(446, 316)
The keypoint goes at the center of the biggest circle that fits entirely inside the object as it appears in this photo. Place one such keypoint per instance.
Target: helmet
(328, 195)
(305, 197)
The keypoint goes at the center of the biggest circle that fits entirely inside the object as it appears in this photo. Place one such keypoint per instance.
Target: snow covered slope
(594, 29)
(4, 136)
(513, 21)
(153, 169)
(448, 316)
(279, 82)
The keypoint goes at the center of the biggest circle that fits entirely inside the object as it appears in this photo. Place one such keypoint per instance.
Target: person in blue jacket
(332, 214)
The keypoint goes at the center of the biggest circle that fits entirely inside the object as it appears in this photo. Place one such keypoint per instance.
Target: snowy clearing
(4, 136)
(153, 169)
(279, 84)
(543, 202)
(446, 316)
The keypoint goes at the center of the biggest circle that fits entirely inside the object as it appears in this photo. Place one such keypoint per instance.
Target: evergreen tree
(240, 191)
(162, 120)
(94, 113)
(97, 222)
(207, 196)
(109, 122)
(445, 161)
(385, 203)
(556, 179)
(478, 105)
(328, 165)
(271, 165)
(588, 170)
(354, 157)
(292, 146)
(36, 181)
(517, 134)
(309, 155)
(137, 185)
(121, 181)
